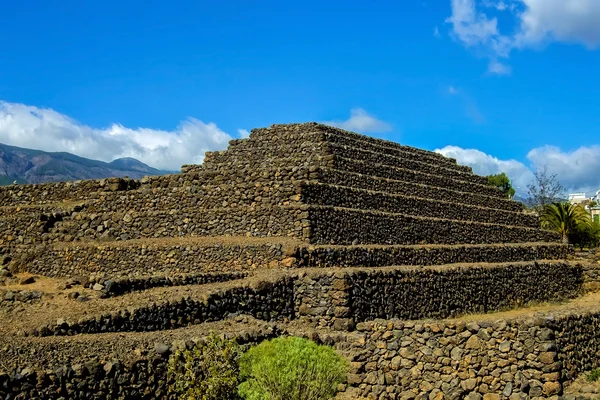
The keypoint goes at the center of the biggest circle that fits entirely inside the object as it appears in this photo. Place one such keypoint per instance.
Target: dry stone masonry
(302, 229)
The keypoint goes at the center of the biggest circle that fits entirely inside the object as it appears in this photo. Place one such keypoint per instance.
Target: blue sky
(500, 85)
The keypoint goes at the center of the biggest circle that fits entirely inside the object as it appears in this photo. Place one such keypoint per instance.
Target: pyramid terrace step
(335, 225)
(330, 256)
(405, 292)
(316, 141)
(274, 155)
(279, 132)
(360, 181)
(401, 174)
(143, 257)
(454, 290)
(268, 298)
(367, 156)
(343, 196)
(95, 224)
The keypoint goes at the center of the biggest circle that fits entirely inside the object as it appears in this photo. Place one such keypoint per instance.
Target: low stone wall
(591, 274)
(454, 360)
(447, 292)
(359, 181)
(347, 226)
(345, 297)
(107, 368)
(151, 258)
(266, 300)
(121, 286)
(382, 256)
(329, 195)
(578, 342)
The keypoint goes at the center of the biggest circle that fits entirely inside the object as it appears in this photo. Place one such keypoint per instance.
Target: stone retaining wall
(407, 175)
(284, 132)
(144, 259)
(338, 196)
(56, 192)
(442, 293)
(390, 359)
(371, 157)
(343, 298)
(268, 301)
(454, 360)
(359, 181)
(348, 226)
(591, 273)
(382, 256)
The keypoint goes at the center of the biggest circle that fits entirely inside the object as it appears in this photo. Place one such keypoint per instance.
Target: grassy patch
(594, 375)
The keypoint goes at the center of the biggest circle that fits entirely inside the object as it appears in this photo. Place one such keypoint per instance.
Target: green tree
(209, 371)
(502, 182)
(291, 368)
(564, 218)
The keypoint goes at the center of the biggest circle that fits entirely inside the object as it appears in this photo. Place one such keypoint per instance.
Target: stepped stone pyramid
(339, 198)
(305, 229)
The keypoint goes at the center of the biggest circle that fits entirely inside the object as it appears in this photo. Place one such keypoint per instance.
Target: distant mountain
(35, 166)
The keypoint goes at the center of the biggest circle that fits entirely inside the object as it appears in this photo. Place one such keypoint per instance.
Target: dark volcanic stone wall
(407, 175)
(345, 226)
(328, 195)
(381, 256)
(578, 343)
(266, 301)
(349, 296)
(442, 293)
(360, 181)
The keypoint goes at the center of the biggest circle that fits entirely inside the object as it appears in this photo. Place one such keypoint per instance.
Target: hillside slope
(35, 166)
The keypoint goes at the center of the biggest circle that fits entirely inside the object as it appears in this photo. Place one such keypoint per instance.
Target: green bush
(207, 372)
(291, 368)
(594, 375)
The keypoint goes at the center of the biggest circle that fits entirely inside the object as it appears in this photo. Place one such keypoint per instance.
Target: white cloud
(452, 90)
(485, 164)
(46, 129)
(536, 22)
(361, 121)
(576, 170)
(497, 68)
(470, 26)
(570, 21)
(243, 133)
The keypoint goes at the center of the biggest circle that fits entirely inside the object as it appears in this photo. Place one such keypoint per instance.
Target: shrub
(291, 368)
(207, 372)
(594, 375)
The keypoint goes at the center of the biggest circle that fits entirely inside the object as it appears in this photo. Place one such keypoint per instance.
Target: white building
(581, 198)
(578, 198)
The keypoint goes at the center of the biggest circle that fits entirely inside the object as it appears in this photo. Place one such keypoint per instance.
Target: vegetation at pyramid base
(209, 371)
(572, 222)
(291, 368)
(284, 368)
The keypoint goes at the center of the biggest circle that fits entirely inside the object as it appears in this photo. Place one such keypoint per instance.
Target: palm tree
(564, 218)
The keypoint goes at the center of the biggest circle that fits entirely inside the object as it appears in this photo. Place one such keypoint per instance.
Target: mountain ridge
(23, 165)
